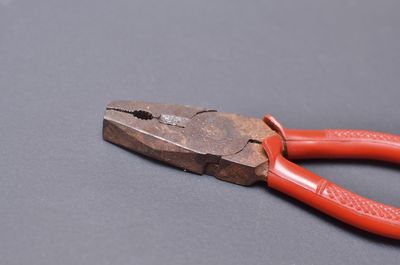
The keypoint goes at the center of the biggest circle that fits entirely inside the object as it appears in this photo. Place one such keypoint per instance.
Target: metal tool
(244, 150)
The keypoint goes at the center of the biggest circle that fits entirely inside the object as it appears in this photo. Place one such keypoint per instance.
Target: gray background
(68, 197)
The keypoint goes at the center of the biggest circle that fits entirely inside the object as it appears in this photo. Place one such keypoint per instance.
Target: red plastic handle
(356, 144)
(322, 194)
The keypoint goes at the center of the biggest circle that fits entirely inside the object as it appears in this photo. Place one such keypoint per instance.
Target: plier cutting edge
(244, 150)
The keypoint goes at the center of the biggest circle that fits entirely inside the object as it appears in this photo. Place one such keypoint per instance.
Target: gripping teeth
(142, 114)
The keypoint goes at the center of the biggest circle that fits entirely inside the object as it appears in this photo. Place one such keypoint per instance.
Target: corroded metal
(225, 145)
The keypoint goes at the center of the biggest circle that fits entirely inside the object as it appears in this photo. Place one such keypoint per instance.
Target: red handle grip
(357, 144)
(327, 197)
(321, 194)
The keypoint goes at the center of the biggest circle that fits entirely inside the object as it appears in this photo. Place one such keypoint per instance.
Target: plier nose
(245, 150)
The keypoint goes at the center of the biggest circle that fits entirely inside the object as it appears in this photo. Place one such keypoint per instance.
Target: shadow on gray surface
(348, 228)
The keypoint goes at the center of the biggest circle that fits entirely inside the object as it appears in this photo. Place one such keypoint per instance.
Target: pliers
(245, 150)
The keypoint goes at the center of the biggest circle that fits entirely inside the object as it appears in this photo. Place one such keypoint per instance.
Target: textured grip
(357, 135)
(360, 204)
(327, 197)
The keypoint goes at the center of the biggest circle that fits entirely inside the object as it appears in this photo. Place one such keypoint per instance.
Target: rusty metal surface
(225, 145)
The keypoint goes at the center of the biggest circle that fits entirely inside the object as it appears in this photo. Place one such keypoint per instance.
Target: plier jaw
(225, 145)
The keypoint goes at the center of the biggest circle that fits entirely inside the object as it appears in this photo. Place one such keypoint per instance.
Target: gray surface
(68, 197)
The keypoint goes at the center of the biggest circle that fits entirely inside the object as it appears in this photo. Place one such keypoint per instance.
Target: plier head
(225, 145)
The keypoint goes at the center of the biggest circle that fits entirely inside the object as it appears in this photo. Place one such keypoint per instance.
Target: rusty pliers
(244, 150)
